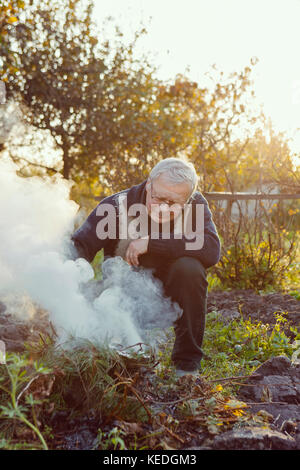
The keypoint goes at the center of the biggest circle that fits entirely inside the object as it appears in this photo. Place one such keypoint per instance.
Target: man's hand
(135, 249)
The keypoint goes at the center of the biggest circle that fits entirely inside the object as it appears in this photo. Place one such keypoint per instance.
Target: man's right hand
(135, 249)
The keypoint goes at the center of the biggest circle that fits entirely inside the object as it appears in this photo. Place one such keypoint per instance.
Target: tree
(55, 52)
(9, 14)
(110, 118)
(98, 103)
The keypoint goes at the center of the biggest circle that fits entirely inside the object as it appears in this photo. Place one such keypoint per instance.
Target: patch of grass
(241, 345)
(98, 378)
(18, 405)
(295, 294)
(134, 404)
(81, 380)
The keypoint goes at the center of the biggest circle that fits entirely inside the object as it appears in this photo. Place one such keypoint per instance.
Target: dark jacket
(88, 244)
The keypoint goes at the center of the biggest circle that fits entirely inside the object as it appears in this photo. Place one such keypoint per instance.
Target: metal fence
(255, 212)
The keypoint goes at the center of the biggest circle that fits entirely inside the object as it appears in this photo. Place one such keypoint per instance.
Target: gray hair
(176, 171)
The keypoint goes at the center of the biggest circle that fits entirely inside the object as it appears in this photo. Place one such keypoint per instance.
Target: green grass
(240, 346)
(109, 384)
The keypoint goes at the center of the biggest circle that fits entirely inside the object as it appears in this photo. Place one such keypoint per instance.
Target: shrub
(257, 254)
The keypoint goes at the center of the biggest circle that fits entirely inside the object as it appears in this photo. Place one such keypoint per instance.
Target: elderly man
(181, 266)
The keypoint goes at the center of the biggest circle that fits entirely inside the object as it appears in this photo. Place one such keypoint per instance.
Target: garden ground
(106, 399)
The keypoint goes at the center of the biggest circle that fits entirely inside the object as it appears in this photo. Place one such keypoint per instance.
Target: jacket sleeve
(208, 254)
(86, 239)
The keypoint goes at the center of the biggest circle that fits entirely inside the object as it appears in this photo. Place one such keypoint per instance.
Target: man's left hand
(135, 249)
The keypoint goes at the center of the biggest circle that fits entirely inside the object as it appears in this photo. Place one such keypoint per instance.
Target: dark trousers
(184, 280)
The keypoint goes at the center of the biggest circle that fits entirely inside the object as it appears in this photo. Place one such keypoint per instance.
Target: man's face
(162, 194)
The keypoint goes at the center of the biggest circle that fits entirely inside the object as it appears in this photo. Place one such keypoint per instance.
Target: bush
(257, 254)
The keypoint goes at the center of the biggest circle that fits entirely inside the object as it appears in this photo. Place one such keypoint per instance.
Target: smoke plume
(36, 221)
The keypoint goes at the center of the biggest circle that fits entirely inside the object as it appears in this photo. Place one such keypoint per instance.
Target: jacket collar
(137, 194)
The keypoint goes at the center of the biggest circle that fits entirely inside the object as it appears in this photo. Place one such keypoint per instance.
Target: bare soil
(247, 303)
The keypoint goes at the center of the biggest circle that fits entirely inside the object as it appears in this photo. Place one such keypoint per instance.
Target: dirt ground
(232, 304)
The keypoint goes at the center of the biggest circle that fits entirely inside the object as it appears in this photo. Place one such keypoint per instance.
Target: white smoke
(36, 222)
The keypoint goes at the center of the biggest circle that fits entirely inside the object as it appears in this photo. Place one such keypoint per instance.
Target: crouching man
(177, 239)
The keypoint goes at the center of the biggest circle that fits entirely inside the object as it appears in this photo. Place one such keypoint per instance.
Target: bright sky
(199, 33)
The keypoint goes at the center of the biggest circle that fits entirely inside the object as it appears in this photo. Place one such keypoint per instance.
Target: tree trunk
(66, 161)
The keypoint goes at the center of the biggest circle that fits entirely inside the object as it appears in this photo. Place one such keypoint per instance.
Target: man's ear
(148, 184)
